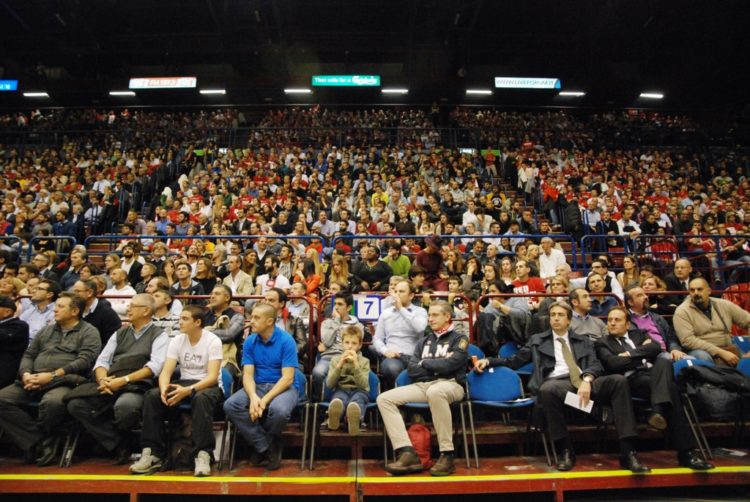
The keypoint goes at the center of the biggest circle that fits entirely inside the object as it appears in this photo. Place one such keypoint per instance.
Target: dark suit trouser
(612, 389)
(657, 385)
(108, 428)
(19, 425)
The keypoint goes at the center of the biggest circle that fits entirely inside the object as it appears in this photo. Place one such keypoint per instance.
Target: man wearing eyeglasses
(41, 312)
(123, 372)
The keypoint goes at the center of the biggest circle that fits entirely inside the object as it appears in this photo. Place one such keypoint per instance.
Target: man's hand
(584, 394)
(163, 393)
(392, 355)
(177, 393)
(728, 357)
(396, 301)
(677, 355)
(116, 384)
(365, 286)
(647, 341)
(624, 354)
(481, 365)
(255, 409)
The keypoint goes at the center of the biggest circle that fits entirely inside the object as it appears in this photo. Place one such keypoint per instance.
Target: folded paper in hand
(572, 399)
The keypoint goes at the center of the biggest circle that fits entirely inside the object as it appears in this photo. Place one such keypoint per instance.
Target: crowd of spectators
(292, 218)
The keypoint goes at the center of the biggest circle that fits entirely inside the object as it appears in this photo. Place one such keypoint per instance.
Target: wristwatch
(588, 378)
(127, 379)
(192, 391)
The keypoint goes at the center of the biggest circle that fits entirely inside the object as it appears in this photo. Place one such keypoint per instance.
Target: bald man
(261, 409)
(704, 324)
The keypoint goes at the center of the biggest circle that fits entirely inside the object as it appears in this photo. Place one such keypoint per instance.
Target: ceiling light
(213, 91)
(121, 93)
(572, 94)
(652, 95)
(482, 92)
(36, 94)
(395, 90)
(298, 90)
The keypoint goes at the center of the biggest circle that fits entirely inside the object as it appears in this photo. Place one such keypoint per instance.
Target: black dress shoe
(274, 454)
(258, 459)
(29, 456)
(48, 452)
(122, 455)
(566, 460)
(631, 463)
(693, 460)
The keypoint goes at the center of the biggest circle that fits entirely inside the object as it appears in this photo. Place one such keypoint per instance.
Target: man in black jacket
(14, 338)
(635, 355)
(438, 370)
(566, 362)
(98, 312)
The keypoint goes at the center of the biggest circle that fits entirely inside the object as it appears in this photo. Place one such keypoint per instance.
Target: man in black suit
(41, 261)
(679, 279)
(130, 263)
(14, 338)
(241, 223)
(635, 355)
(566, 362)
(98, 312)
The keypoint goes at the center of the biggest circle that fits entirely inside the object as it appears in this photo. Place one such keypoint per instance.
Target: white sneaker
(353, 417)
(147, 464)
(202, 464)
(335, 409)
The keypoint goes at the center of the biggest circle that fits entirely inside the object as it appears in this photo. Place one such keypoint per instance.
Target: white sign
(367, 307)
(527, 83)
(163, 83)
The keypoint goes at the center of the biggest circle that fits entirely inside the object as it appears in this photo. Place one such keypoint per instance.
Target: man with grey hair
(122, 373)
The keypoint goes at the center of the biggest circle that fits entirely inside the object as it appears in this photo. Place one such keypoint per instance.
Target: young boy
(330, 344)
(349, 375)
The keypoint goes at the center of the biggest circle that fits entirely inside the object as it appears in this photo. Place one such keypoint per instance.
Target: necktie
(570, 361)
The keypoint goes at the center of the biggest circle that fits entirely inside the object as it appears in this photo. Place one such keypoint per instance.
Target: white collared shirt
(561, 367)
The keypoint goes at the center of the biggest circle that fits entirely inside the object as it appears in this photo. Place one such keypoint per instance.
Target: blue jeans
(261, 433)
(352, 396)
(390, 368)
(701, 354)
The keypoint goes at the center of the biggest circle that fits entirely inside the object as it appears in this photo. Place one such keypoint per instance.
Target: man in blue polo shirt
(269, 359)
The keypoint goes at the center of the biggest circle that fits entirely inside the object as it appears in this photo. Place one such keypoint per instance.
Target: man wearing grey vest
(124, 371)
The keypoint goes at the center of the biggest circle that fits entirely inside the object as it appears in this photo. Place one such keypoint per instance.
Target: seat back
(495, 384)
(374, 382)
(300, 383)
(475, 351)
(684, 363)
(742, 342)
(403, 379)
(227, 382)
(744, 367)
(508, 349)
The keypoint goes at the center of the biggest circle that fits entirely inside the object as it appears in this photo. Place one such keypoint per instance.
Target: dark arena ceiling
(696, 53)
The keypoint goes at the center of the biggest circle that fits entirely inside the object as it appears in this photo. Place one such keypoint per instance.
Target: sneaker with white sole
(335, 409)
(353, 417)
(202, 464)
(147, 464)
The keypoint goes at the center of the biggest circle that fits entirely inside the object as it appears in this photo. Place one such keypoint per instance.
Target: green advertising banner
(346, 80)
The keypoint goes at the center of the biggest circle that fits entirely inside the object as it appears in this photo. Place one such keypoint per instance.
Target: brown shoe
(444, 466)
(407, 463)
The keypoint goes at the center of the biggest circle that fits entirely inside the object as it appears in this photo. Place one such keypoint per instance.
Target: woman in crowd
(204, 274)
(631, 273)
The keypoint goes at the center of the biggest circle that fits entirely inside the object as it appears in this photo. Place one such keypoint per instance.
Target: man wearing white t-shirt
(198, 352)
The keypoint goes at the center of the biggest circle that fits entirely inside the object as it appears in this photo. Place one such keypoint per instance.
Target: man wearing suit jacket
(41, 261)
(635, 355)
(566, 362)
(679, 279)
(14, 338)
(130, 263)
(238, 281)
(98, 312)
(241, 223)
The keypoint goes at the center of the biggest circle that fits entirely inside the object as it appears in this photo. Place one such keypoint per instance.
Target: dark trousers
(203, 405)
(19, 425)
(390, 368)
(657, 385)
(105, 425)
(612, 389)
